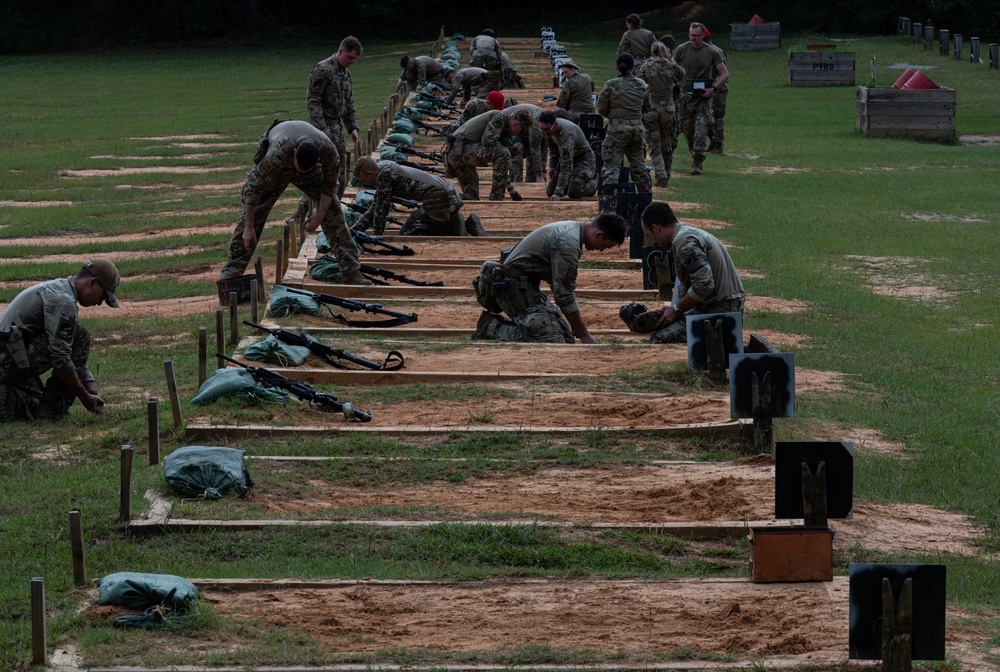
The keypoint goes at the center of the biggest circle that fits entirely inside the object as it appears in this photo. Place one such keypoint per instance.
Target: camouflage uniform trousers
(537, 155)
(334, 226)
(624, 140)
(677, 332)
(463, 166)
(539, 323)
(438, 215)
(566, 114)
(696, 115)
(662, 127)
(582, 180)
(717, 132)
(487, 60)
(307, 205)
(23, 396)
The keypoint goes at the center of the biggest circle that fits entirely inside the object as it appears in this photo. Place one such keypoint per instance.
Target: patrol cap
(569, 64)
(107, 275)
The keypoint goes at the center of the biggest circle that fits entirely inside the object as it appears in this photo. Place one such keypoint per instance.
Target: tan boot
(354, 277)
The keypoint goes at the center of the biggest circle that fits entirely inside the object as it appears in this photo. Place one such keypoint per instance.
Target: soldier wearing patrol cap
(637, 40)
(577, 94)
(40, 330)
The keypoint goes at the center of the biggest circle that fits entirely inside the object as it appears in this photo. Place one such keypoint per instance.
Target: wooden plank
(418, 332)
(409, 291)
(371, 377)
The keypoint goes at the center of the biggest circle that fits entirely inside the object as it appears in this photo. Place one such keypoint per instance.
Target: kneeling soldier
(574, 164)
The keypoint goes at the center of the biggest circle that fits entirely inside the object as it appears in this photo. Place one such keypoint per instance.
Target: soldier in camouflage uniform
(45, 331)
(482, 141)
(574, 166)
(531, 146)
(509, 79)
(717, 130)
(512, 286)
(637, 40)
(467, 81)
(625, 100)
(438, 214)
(330, 101)
(577, 94)
(417, 72)
(707, 278)
(486, 53)
(662, 123)
(494, 100)
(698, 60)
(293, 152)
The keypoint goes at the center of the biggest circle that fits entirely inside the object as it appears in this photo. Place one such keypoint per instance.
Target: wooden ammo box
(754, 36)
(919, 113)
(791, 554)
(821, 68)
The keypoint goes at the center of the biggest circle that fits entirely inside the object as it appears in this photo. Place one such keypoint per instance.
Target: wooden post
(928, 38)
(125, 493)
(234, 321)
(958, 46)
(253, 301)
(945, 42)
(903, 26)
(153, 418)
(76, 547)
(994, 56)
(259, 271)
(918, 33)
(715, 350)
(202, 355)
(763, 425)
(175, 402)
(293, 242)
(278, 263)
(286, 243)
(39, 643)
(974, 51)
(220, 339)
(814, 496)
(897, 627)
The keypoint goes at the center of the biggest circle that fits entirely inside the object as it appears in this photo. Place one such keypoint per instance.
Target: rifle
(437, 100)
(439, 115)
(430, 156)
(362, 210)
(427, 127)
(393, 361)
(351, 304)
(421, 166)
(304, 391)
(391, 275)
(363, 239)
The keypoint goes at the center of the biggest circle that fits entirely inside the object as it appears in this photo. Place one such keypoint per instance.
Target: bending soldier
(44, 331)
(482, 141)
(574, 166)
(438, 214)
(293, 152)
(512, 285)
(531, 146)
(417, 72)
(467, 81)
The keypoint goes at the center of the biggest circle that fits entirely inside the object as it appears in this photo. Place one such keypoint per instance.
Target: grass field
(823, 214)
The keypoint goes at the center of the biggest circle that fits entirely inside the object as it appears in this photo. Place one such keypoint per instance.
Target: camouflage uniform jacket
(426, 70)
(638, 42)
(624, 98)
(488, 129)
(330, 100)
(486, 45)
(404, 182)
(552, 253)
(577, 94)
(662, 75)
(704, 268)
(49, 308)
(466, 80)
(569, 148)
(715, 71)
(473, 108)
(276, 170)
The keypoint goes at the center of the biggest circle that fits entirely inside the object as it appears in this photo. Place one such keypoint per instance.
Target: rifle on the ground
(427, 127)
(430, 156)
(381, 247)
(319, 400)
(437, 100)
(393, 361)
(391, 275)
(421, 166)
(354, 305)
(439, 115)
(362, 210)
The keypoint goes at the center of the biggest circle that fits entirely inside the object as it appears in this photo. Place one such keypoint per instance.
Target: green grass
(806, 197)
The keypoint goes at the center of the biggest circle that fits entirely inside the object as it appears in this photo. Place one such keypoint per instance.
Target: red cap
(707, 34)
(495, 99)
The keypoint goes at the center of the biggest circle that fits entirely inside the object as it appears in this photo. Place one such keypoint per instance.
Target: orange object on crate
(791, 554)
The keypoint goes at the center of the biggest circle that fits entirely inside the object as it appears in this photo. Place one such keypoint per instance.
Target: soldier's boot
(696, 165)
(474, 225)
(486, 327)
(514, 195)
(6, 405)
(714, 147)
(55, 401)
(663, 181)
(354, 277)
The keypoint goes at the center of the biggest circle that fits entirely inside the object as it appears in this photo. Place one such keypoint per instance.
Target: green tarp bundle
(207, 471)
(285, 303)
(390, 153)
(273, 351)
(409, 113)
(326, 269)
(159, 595)
(403, 125)
(365, 198)
(238, 383)
(399, 139)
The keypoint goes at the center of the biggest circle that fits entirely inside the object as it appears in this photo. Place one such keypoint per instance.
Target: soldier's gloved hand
(93, 403)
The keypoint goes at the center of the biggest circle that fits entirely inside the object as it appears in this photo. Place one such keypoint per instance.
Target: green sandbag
(449, 44)
(322, 244)
(458, 36)
(451, 64)
(285, 303)
(389, 153)
(365, 198)
(273, 351)
(424, 104)
(400, 139)
(238, 383)
(356, 183)
(435, 90)
(403, 125)
(409, 113)
(136, 590)
(326, 269)
(207, 471)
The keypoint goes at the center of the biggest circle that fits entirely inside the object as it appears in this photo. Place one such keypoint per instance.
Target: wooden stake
(175, 402)
(945, 42)
(897, 627)
(125, 494)
(814, 496)
(286, 251)
(153, 418)
(293, 242)
(39, 643)
(763, 427)
(259, 270)
(254, 304)
(278, 263)
(76, 547)
(220, 338)
(234, 320)
(202, 355)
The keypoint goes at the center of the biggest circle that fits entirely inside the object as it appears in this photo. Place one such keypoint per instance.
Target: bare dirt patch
(901, 277)
(941, 217)
(34, 204)
(177, 170)
(772, 170)
(204, 136)
(865, 440)
(980, 140)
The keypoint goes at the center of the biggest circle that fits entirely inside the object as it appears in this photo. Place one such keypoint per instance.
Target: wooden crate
(754, 36)
(791, 554)
(821, 68)
(927, 114)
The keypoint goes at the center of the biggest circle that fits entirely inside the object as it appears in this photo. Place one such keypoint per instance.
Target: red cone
(902, 79)
(756, 20)
(919, 81)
